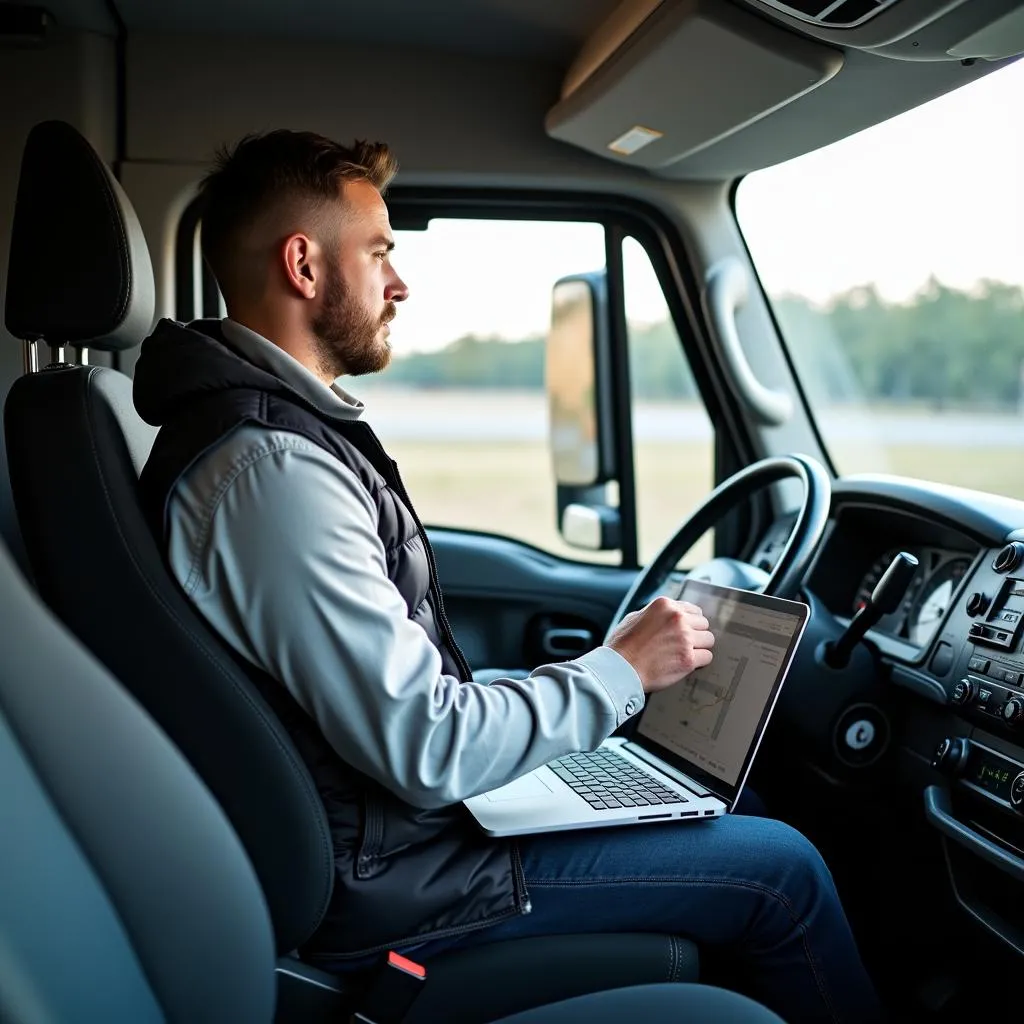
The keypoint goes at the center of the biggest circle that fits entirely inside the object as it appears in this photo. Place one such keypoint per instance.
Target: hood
(180, 362)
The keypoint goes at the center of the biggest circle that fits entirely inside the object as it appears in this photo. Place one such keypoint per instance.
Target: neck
(293, 338)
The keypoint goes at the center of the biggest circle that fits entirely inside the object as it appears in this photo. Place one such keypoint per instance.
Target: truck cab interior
(727, 288)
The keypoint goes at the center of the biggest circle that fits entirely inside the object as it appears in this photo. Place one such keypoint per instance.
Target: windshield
(894, 261)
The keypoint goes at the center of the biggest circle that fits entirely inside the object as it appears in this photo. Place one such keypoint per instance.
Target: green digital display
(995, 778)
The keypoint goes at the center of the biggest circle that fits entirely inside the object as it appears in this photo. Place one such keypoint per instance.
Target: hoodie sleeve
(276, 543)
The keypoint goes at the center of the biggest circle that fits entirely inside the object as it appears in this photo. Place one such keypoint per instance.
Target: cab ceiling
(544, 36)
(546, 30)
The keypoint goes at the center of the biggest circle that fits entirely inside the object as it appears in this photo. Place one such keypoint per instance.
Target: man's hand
(664, 642)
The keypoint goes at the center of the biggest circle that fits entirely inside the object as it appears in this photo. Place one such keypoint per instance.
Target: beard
(346, 336)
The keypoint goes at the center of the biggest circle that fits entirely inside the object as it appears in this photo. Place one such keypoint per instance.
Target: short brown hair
(277, 166)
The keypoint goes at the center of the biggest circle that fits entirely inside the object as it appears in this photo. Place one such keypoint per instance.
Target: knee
(796, 870)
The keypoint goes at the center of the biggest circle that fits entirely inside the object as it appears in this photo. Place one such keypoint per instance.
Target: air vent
(832, 13)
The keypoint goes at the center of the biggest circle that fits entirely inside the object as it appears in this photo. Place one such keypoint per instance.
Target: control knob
(1013, 711)
(1009, 557)
(963, 692)
(950, 756)
(1017, 792)
(977, 603)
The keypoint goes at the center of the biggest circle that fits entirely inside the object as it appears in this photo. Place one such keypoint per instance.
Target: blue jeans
(751, 888)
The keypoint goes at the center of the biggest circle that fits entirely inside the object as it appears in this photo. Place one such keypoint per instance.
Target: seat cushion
(480, 983)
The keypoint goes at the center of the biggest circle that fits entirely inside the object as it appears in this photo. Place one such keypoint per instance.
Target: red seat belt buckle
(403, 963)
(391, 992)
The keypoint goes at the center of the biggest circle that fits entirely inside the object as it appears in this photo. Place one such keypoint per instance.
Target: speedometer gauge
(936, 599)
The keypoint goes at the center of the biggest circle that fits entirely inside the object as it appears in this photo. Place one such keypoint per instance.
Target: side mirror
(580, 430)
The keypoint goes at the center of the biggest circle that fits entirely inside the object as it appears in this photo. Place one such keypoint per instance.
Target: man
(287, 525)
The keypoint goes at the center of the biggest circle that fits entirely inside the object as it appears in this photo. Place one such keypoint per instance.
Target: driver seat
(125, 896)
(75, 449)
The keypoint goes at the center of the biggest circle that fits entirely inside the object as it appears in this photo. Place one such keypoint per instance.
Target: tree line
(943, 347)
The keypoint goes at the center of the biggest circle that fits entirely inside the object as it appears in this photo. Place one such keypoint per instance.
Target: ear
(299, 253)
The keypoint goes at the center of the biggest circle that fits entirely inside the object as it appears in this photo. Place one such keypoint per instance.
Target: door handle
(566, 643)
(939, 812)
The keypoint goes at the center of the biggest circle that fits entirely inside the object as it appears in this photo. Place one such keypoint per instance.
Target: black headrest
(79, 270)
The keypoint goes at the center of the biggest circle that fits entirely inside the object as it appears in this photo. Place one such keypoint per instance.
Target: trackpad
(521, 789)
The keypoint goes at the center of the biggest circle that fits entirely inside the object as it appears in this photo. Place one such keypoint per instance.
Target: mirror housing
(580, 426)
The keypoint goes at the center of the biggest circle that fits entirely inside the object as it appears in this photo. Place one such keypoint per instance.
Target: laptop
(691, 748)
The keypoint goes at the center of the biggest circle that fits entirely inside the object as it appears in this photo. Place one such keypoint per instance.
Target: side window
(462, 408)
(673, 439)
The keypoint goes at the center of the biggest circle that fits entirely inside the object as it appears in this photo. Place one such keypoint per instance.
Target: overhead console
(678, 87)
(662, 80)
(915, 30)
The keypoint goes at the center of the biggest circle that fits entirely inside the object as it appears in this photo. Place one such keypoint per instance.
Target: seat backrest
(124, 893)
(75, 447)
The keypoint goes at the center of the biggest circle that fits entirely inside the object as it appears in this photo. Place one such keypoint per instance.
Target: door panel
(504, 599)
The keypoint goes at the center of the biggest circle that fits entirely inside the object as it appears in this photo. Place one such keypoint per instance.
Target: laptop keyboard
(604, 779)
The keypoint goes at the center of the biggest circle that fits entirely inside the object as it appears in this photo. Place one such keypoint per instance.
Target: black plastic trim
(121, 85)
(987, 519)
(622, 397)
(786, 353)
(938, 809)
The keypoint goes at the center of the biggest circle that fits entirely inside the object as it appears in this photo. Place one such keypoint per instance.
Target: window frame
(780, 335)
(412, 207)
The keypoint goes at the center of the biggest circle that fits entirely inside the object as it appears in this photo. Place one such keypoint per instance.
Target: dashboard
(932, 707)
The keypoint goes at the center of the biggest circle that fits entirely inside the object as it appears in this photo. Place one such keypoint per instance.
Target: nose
(396, 290)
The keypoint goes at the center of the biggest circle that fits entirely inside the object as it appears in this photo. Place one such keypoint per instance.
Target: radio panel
(991, 689)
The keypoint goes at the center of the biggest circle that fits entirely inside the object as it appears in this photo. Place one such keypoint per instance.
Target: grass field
(998, 470)
(479, 459)
(505, 487)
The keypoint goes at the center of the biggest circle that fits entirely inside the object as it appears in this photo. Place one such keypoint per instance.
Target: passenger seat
(126, 898)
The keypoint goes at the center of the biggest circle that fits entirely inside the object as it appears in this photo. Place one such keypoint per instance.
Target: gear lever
(884, 600)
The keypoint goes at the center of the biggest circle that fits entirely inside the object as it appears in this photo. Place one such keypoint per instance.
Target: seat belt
(391, 992)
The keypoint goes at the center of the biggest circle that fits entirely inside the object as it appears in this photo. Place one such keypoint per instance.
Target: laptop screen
(710, 725)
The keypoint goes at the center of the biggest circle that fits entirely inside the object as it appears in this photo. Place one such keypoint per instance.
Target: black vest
(402, 874)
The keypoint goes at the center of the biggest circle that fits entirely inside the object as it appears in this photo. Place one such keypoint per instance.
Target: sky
(936, 191)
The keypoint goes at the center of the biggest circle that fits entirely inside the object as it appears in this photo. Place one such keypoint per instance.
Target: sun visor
(661, 80)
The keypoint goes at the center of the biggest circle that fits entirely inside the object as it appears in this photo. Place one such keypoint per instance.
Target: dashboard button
(861, 735)
(977, 664)
(1009, 557)
(962, 692)
(950, 755)
(977, 603)
(1017, 791)
(1013, 711)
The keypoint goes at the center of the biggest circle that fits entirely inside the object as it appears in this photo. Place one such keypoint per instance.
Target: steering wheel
(792, 564)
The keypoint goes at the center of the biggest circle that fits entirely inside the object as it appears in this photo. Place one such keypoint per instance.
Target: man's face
(360, 288)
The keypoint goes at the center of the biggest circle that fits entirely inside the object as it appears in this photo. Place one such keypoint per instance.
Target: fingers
(702, 640)
(701, 657)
